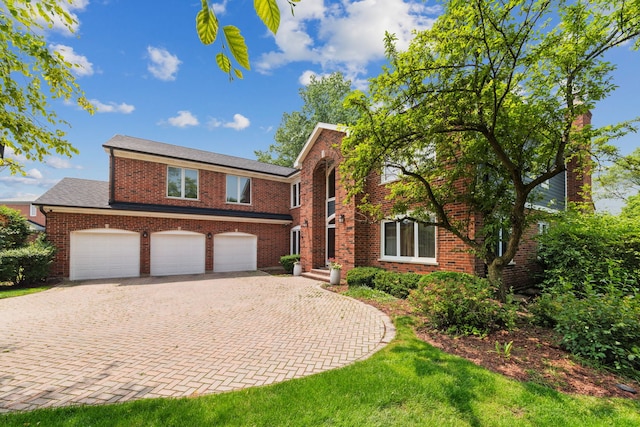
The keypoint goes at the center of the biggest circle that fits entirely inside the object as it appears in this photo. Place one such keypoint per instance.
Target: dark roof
(145, 146)
(74, 192)
(84, 193)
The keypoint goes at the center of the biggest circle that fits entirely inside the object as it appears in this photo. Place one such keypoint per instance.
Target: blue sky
(143, 67)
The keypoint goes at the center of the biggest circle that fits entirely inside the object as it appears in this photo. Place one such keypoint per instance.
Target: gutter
(112, 176)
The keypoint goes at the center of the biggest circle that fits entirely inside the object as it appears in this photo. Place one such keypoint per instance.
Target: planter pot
(297, 269)
(334, 276)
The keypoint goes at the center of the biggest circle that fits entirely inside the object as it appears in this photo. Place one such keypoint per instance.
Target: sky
(142, 66)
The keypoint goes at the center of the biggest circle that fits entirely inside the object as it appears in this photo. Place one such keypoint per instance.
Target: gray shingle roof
(83, 193)
(138, 145)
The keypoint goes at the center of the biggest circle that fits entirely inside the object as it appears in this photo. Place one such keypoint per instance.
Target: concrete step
(321, 274)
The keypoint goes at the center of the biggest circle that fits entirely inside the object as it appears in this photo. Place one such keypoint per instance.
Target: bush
(26, 265)
(595, 250)
(362, 276)
(602, 327)
(14, 229)
(287, 262)
(461, 303)
(396, 284)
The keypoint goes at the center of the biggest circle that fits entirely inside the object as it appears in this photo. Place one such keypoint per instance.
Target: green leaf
(269, 12)
(223, 62)
(238, 73)
(206, 24)
(237, 46)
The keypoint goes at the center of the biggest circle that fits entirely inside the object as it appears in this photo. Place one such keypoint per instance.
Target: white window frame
(499, 251)
(183, 183)
(238, 190)
(391, 173)
(32, 210)
(543, 226)
(295, 194)
(408, 259)
(295, 241)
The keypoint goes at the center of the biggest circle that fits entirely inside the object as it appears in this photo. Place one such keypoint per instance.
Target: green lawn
(408, 383)
(9, 291)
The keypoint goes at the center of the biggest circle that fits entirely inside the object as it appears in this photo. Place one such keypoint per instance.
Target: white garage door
(235, 252)
(104, 253)
(177, 252)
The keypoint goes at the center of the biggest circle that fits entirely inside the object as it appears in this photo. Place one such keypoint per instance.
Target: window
(408, 241)
(389, 174)
(182, 183)
(295, 195)
(32, 210)
(238, 189)
(503, 240)
(295, 240)
(543, 227)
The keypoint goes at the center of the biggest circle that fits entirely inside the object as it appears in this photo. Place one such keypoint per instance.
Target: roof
(312, 140)
(75, 192)
(145, 146)
(89, 194)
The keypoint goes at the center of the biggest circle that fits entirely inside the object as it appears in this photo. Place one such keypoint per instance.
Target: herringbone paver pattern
(112, 341)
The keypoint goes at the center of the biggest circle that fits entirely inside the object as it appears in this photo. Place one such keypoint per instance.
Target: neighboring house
(174, 210)
(29, 210)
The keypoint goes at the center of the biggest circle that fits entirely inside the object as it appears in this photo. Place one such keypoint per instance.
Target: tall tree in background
(30, 75)
(494, 89)
(622, 179)
(323, 102)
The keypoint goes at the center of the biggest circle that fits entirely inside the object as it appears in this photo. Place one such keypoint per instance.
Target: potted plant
(335, 271)
(297, 268)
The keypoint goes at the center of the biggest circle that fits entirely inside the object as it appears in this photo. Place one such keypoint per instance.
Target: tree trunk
(495, 278)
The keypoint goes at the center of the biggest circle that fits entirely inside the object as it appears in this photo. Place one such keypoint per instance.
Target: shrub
(602, 327)
(396, 284)
(14, 229)
(594, 250)
(461, 303)
(362, 276)
(26, 265)
(287, 262)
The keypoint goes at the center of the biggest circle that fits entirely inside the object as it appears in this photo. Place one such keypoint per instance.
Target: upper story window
(295, 194)
(390, 172)
(32, 210)
(182, 183)
(238, 189)
(408, 241)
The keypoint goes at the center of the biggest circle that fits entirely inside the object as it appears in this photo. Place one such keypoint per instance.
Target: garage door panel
(176, 252)
(235, 252)
(102, 254)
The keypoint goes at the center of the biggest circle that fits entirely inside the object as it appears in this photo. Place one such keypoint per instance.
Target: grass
(408, 383)
(9, 291)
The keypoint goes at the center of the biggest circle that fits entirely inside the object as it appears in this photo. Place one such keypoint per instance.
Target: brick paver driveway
(111, 341)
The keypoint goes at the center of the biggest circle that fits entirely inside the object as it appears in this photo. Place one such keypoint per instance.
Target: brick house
(175, 210)
(29, 211)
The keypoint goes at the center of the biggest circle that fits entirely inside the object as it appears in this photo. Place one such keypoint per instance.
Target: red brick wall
(25, 210)
(273, 240)
(579, 171)
(138, 181)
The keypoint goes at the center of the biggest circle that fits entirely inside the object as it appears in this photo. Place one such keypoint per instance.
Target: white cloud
(59, 25)
(112, 107)
(28, 180)
(183, 119)
(10, 154)
(164, 65)
(239, 122)
(220, 8)
(59, 163)
(346, 35)
(34, 173)
(305, 77)
(80, 64)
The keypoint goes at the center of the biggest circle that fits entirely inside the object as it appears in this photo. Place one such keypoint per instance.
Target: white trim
(238, 192)
(115, 212)
(413, 259)
(32, 210)
(296, 229)
(183, 184)
(312, 140)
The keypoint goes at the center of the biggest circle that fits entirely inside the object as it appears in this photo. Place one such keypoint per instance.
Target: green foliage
(631, 209)
(461, 303)
(622, 177)
(493, 88)
(396, 284)
(28, 67)
(595, 250)
(287, 262)
(322, 102)
(603, 328)
(207, 26)
(14, 229)
(362, 276)
(26, 265)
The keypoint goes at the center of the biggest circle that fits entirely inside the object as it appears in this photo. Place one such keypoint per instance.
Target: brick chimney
(579, 171)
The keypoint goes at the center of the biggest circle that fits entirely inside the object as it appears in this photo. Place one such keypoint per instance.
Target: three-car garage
(111, 253)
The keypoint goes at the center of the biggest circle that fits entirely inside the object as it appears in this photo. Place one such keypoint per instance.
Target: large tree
(494, 89)
(31, 74)
(621, 179)
(323, 100)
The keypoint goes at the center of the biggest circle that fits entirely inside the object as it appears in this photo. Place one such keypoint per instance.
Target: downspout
(112, 177)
